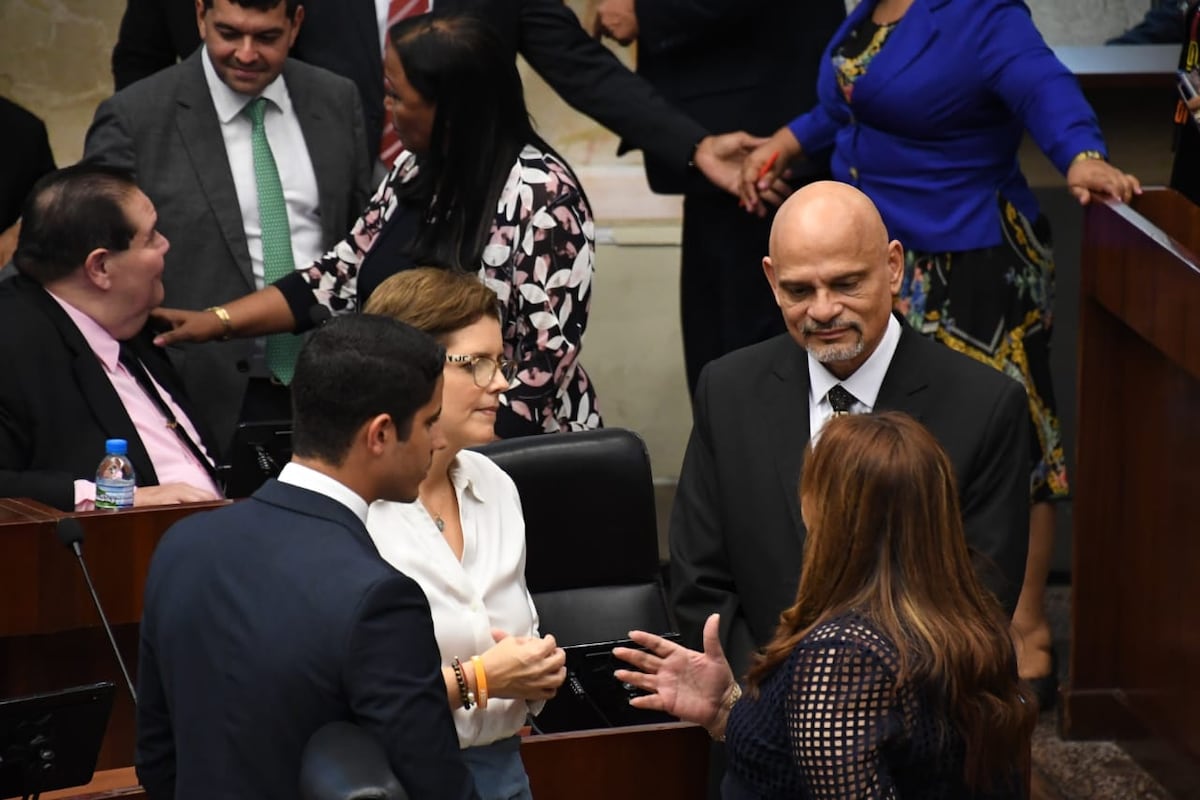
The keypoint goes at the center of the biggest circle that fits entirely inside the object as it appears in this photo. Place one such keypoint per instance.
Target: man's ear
(378, 431)
(200, 9)
(297, 20)
(895, 266)
(96, 268)
(769, 271)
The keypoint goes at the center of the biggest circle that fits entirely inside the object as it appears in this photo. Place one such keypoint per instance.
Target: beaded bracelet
(464, 692)
(480, 681)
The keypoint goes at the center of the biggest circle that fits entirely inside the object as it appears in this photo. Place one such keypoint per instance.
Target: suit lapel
(102, 398)
(327, 164)
(785, 408)
(905, 387)
(916, 32)
(200, 131)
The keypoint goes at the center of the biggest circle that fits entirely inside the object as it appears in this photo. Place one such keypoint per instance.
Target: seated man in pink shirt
(77, 365)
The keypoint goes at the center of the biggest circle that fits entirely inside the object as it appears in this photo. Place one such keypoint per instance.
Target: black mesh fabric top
(832, 723)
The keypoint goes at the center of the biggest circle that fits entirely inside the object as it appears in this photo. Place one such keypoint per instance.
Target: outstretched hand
(719, 158)
(524, 667)
(186, 326)
(689, 685)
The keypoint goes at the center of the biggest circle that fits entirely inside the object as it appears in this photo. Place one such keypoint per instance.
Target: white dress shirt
(468, 599)
(291, 160)
(864, 383)
(308, 478)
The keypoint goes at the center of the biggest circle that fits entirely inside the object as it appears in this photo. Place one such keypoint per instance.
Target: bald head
(828, 217)
(834, 273)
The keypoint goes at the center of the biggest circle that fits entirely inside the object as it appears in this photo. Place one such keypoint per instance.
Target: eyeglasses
(483, 368)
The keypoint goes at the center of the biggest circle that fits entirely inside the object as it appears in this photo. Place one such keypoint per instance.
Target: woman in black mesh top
(893, 675)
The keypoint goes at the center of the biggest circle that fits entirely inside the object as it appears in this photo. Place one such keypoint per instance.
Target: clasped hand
(524, 667)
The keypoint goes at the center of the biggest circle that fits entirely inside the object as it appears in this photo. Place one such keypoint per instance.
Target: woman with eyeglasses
(474, 189)
(463, 541)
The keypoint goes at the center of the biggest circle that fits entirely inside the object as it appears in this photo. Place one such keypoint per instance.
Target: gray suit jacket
(165, 128)
(737, 538)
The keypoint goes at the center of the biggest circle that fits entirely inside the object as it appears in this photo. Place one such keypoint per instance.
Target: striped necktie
(389, 142)
(278, 261)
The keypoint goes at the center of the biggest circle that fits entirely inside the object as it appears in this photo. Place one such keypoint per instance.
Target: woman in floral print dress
(478, 190)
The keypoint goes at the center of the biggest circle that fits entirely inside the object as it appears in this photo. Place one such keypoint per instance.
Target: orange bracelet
(481, 690)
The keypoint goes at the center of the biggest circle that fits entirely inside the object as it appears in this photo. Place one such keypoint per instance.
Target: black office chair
(591, 532)
(343, 762)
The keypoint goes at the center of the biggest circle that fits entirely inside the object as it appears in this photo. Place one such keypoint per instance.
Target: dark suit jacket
(733, 65)
(165, 128)
(267, 619)
(736, 534)
(56, 404)
(24, 159)
(341, 35)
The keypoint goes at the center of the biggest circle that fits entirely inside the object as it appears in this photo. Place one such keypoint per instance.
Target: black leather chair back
(591, 532)
(343, 762)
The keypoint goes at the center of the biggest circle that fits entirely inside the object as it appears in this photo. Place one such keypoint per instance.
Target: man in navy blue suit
(267, 619)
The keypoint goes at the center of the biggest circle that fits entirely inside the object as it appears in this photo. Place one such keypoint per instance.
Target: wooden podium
(1136, 573)
(51, 638)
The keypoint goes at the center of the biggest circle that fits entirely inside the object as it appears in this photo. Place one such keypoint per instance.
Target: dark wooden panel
(661, 761)
(50, 632)
(1136, 598)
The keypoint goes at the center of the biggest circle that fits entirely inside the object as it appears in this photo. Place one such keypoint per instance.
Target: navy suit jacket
(267, 619)
(57, 406)
(932, 129)
(736, 535)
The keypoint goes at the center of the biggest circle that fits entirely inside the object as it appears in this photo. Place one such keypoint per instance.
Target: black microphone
(70, 533)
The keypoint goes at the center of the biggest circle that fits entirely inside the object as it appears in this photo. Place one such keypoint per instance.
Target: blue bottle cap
(116, 446)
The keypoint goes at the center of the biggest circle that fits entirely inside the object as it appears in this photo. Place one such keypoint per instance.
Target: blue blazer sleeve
(1038, 88)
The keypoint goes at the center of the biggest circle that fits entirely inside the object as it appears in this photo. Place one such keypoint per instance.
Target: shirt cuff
(85, 495)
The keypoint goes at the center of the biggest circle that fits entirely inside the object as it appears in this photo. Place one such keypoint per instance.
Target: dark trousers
(725, 300)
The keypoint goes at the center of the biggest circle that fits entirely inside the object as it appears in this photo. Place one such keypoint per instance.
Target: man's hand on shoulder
(616, 19)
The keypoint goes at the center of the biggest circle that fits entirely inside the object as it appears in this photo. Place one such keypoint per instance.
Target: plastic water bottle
(115, 480)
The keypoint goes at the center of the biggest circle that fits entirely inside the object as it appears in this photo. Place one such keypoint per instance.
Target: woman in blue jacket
(924, 104)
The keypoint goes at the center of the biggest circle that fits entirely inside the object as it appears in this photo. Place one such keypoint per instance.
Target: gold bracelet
(1088, 155)
(727, 707)
(226, 322)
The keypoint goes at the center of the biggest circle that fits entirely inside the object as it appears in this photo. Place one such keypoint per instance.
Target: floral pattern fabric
(539, 261)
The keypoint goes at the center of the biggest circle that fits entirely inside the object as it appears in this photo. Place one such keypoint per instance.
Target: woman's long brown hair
(885, 539)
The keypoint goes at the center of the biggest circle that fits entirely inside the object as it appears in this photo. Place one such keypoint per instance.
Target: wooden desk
(656, 762)
(50, 634)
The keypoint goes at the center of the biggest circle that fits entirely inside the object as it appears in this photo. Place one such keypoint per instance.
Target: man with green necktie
(257, 163)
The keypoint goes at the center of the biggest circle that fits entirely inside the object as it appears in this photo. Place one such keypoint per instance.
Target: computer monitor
(51, 741)
(591, 697)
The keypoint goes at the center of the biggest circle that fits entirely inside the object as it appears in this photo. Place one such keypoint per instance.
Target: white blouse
(468, 599)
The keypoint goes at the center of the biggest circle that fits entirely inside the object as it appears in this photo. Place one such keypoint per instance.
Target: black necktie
(138, 370)
(841, 400)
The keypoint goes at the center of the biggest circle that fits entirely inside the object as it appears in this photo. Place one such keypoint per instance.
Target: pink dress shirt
(173, 462)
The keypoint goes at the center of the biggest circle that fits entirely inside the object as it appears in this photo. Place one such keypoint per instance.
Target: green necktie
(283, 348)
